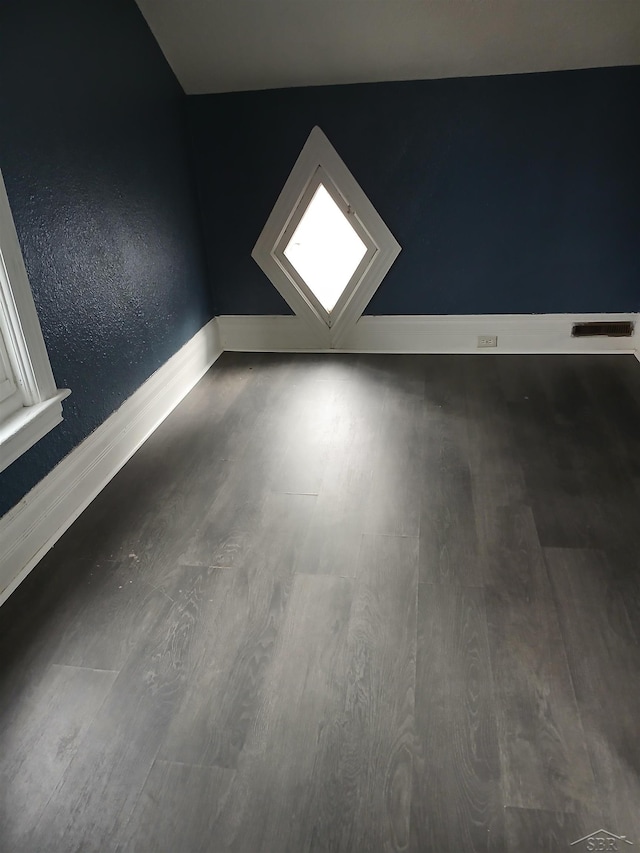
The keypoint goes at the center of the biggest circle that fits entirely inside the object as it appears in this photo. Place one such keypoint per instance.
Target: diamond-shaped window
(324, 246)
(325, 249)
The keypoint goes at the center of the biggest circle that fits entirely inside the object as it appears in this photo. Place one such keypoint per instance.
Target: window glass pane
(325, 250)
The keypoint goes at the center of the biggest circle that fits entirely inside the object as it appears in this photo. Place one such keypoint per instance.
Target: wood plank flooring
(342, 603)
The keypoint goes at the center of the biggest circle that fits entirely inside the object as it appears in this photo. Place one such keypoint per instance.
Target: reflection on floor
(356, 603)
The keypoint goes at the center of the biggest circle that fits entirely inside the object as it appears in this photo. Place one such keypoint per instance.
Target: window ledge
(28, 425)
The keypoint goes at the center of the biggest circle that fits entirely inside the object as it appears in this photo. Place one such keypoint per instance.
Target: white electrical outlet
(487, 340)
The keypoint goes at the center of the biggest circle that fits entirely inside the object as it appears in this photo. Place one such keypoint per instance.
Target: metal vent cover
(622, 329)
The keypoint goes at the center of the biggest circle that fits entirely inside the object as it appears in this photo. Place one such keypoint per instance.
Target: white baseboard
(34, 525)
(239, 333)
(517, 333)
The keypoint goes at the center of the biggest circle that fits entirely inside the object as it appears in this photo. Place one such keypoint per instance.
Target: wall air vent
(622, 329)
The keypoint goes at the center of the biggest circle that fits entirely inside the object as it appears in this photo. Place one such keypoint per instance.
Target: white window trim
(321, 177)
(319, 161)
(39, 408)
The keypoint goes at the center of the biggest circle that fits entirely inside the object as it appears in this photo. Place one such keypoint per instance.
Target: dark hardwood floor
(342, 603)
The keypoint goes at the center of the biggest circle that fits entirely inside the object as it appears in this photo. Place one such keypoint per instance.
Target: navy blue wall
(94, 152)
(507, 194)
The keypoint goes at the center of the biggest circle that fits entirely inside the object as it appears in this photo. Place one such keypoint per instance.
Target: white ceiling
(234, 45)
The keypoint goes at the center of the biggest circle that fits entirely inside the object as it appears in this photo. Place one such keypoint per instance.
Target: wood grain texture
(446, 435)
(456, 800)
(313, 613)
(545, 763)
(510, 554)
(544, 759)
(604, 657)
(334, 536)
(574, 469)
(448, 535)
(304, 691)
(160, 507)
(395, 497)
(39, 742)
(201, 732)
(359, 789)
(235, 648)
(223, 535)
(492, 445)
(553, 832)
(177, 810)
(379, 707)
(623, 579)
(119, 608)
(103, 780)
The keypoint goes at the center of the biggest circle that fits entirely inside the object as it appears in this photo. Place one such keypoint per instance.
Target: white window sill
(24, 428)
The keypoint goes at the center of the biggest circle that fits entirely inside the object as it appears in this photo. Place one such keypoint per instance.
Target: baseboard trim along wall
(34, 525)
(516, 333)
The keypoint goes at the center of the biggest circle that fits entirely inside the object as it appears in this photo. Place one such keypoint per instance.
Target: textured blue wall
(94, 152)
(507, 194)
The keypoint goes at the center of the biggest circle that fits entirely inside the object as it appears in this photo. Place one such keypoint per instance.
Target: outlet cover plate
(487, 341)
